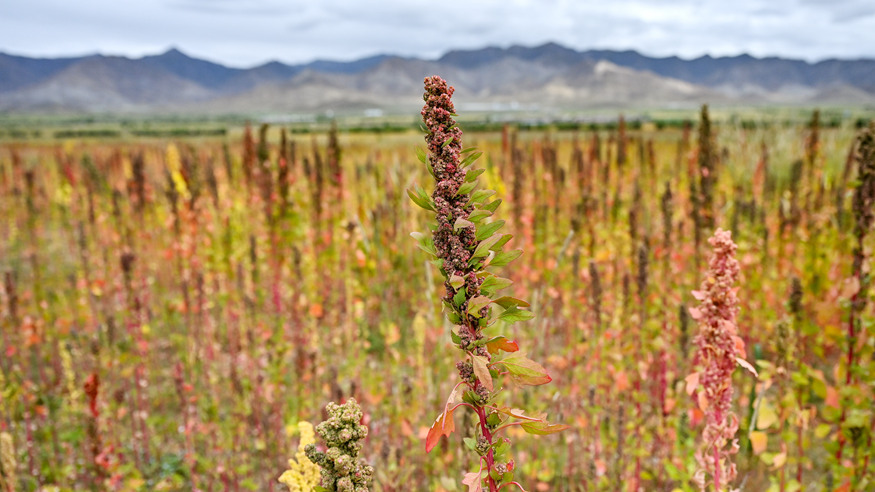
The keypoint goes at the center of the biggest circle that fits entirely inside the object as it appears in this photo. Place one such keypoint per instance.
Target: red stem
(716, 469)
(490, 460)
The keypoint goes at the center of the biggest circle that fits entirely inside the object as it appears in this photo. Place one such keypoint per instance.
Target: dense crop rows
(172, 310)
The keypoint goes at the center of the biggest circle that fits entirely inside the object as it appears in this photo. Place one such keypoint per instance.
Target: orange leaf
(621, 381)
(779, 460)
(443, 426)
(316, 310)
(758, 441)
(739, 346)
(406, 429)
(832, 397)
(845, 487)
(692, 382)
(703, 401)
(600, 467)
(501, 343)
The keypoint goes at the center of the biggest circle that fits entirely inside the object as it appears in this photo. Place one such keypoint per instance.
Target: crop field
(172, 308)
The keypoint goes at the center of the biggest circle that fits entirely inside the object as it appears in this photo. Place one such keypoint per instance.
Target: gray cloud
(253, 32)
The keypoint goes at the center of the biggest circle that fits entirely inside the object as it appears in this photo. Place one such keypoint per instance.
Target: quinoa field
(173, 307)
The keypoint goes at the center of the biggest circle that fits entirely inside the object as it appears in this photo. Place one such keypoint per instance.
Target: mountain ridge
(549, 76)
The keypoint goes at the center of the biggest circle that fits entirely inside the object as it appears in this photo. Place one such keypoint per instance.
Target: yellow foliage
(492, 181)
(69, 375)
(174, 166)
(7, 462)
(303, 474)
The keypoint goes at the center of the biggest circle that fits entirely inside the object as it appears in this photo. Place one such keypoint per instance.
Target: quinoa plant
(7, 463)
(857, 423)
(720, 350)
(464, 243)
(342, 469)
(302, 475)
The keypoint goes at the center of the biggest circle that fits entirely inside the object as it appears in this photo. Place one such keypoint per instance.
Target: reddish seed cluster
(444, 141)
(719, 349)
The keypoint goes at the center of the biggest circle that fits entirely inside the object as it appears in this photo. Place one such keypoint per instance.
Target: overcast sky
(245, 33)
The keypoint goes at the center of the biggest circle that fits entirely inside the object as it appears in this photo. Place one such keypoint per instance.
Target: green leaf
(491, 206)
(501, 242)
(462, 223)
(493, 284)
(473, 174)
(507, 302)
(447, 142)
(477, 303)
(500, 448)
(457, 281)
(466, 188)
(469, 159)
(421, 155)
(479, 215)
(514, 314)
(481, 195)
(482, 371)
(469, 149)
(460, 297)
(471, 398)
(425, 242)
(456, 338)
(471, 443)
(525, 371)
(542, 428)
(420, 198)
(766, 416)
(518, 414)
(486, 230)
(505, 257)
(483, 248)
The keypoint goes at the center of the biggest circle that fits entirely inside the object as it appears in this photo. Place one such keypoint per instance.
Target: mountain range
(546, 77)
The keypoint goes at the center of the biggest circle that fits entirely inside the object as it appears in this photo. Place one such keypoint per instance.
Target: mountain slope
(544, 76)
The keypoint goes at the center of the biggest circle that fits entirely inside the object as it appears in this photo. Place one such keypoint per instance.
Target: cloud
(252, 32)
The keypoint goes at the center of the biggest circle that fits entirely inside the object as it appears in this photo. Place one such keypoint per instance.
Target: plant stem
(490, 461)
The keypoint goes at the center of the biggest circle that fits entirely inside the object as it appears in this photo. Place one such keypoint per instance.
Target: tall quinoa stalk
(707, 157)
(720, 350)
(463, 245)
(864, 216)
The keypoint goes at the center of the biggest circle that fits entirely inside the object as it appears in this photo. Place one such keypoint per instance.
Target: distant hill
(549, 76)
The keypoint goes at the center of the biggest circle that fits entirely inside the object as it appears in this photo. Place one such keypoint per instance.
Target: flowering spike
(717, 357)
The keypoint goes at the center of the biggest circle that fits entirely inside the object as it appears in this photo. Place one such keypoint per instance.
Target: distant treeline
(22, 134)
(19, 133)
